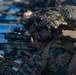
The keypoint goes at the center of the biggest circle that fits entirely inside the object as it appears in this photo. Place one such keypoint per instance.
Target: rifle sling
(45, 53)
(67, 45)
(72, 66)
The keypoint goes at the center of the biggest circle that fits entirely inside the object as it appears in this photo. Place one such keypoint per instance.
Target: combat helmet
(44, 32)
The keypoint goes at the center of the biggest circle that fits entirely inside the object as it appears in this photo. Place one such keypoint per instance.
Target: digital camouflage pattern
(57, 64)
(58, 58)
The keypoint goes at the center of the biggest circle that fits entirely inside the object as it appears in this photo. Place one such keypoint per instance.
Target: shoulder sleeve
(31, 67)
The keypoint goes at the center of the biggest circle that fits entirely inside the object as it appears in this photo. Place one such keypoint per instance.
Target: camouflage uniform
(57, 64)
